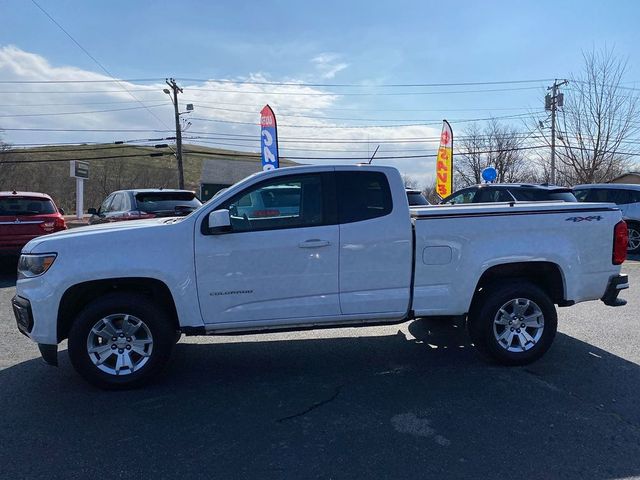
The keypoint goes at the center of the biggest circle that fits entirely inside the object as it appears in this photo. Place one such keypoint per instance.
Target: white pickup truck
(325, 246)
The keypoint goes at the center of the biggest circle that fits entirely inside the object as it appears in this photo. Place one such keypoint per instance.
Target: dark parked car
(24, 216)
(626, 196)
(510, 192)
(416, 198)
(144, 203)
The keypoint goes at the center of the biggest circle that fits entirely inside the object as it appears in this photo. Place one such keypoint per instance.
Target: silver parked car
(626, 196)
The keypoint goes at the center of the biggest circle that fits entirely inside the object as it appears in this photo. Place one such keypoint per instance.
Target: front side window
(490, 195)
(117, 205)
(289, 202)
(362, 196)
(105, 205)
(581, 194)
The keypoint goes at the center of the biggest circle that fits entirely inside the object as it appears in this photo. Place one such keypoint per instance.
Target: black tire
(155, 319)
(486, 308)
(633, 228)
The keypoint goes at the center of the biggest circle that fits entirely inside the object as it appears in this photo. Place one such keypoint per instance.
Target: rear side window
(602, 195)
(26, 206)
(541, 195)
(362, 196)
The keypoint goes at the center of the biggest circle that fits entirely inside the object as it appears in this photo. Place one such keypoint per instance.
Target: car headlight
(34, 265)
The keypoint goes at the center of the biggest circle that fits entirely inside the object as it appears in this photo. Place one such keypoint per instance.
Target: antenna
(374, 154)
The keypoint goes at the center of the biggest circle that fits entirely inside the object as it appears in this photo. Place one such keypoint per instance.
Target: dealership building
(219, 173)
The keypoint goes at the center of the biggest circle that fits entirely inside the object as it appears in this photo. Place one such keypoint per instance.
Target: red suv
(26, 215)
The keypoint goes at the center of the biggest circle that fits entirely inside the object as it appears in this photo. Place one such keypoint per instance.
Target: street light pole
(174, 87)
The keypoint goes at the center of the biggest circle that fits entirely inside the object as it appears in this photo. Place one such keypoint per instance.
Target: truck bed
(457, 244)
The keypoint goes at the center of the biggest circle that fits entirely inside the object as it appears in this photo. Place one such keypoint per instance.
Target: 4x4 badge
(584, 219)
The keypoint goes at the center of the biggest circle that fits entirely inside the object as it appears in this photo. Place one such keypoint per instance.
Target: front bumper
(24, 315)
(615, 285)
(24, 320)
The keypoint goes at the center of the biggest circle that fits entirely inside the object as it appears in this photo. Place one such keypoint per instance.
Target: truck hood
(83, 237)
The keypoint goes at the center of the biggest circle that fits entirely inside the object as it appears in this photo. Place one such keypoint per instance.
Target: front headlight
(34, 265)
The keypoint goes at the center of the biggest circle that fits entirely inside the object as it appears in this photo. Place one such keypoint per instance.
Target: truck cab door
(376, 243)
(278, 260)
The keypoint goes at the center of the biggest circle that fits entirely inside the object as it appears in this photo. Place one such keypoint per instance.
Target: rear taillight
(47, 226)
(53, 225)
(620, 243)
(59, 224)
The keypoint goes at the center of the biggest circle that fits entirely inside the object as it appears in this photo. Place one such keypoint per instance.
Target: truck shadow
(394, 406)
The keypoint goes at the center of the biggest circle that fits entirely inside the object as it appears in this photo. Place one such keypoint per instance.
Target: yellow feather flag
(444, 162)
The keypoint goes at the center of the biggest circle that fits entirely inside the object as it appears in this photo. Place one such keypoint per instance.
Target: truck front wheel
(121, 340)
(513, 323)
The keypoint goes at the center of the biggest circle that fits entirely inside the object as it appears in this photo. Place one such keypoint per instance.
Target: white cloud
(328, 64)
(225, 115)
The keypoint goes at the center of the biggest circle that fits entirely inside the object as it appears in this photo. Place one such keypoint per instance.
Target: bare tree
(409, 181)
(598, 116)
(495, 145)
(7, 166)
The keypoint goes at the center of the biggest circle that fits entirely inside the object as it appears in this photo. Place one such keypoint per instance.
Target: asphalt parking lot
(407, 401)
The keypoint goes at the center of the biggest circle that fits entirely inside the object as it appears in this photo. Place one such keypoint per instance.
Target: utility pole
(552, 102)
(174, 87)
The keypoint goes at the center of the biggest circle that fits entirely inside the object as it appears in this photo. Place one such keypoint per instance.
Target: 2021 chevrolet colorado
(313, 247)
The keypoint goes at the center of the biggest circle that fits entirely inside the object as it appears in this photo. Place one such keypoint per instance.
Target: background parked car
(144, 203)
(626, 196)
(510, 192)
(416, 198)
(24, 216)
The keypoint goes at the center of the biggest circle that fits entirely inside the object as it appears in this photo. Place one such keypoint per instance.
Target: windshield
(151, 202)
(26, 206)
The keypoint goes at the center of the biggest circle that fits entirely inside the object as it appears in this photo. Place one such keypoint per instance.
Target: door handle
(314, 243)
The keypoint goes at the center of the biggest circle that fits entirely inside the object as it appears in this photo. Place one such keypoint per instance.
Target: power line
(322, 117)
(67, 150)
(79, 113)
(55, 160)
(338, 94)
(426, 122)
(274, 83)
(96, 61)
(47, 92)
(112, 80)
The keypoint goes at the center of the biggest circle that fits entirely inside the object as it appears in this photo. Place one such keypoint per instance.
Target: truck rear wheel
(121, 340)
(513, 323)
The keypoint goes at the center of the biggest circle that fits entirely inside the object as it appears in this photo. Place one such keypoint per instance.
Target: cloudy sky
(348, 75)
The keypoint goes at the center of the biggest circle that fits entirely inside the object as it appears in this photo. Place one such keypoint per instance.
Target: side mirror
(219, 221)
(92, 211)
(61, 210)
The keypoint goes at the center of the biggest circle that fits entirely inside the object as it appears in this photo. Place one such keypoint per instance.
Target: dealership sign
(79, 169)
(268, 139)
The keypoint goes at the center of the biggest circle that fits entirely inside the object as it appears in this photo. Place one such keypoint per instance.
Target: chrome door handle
(314, 243)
